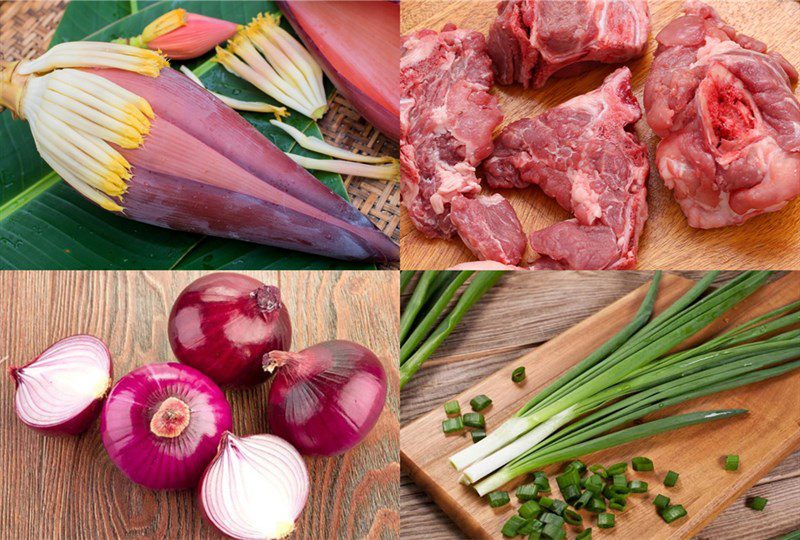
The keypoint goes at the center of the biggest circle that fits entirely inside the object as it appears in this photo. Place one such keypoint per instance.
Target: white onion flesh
(62, 382)
(255, 488)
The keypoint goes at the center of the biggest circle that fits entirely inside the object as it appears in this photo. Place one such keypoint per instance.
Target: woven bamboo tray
(25, 32)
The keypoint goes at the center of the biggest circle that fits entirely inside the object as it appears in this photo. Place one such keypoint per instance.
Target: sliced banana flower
(239, 105)
(269, 58)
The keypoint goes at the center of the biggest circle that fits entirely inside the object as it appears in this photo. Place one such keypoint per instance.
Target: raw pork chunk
(447, 117)
(581, 154)
(533, 40)
(729, 122)
(489, 227)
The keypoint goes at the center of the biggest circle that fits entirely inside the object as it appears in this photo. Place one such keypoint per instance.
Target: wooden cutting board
(767, 241)
(762, 438)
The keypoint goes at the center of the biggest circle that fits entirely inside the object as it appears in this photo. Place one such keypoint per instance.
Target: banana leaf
(44, 224)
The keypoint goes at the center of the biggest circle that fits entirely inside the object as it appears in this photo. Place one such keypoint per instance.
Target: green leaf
(44, 224)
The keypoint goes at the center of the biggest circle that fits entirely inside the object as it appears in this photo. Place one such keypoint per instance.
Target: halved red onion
(224, 323)
(61, 391)
(256, 487)
(325, 399)
(162, 423)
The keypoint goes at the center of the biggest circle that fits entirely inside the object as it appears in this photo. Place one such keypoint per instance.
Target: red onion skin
(223, 324)
(80, 422)
(157, 462)
(325, 416)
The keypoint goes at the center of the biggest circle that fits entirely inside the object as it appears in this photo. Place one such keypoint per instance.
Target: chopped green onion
(540, 479)
(552, 518)
(617, 468)
(530, 509)
(527, 492)
(671, 479)
(671, 513)
(452, 408)
(477, 435)
(546, 502)
(498, 499)
(559, 507)
(616, 491)
(583, 500)
(530, 526)
(605, 521)
(601, 471)
(596, 505)
(518, 374)
(642, 464)
(577, 465)
(618, 503)
(571, 493)
(731, 462)
(453, 425)
(572, 517)
(638, 486)
(595, 484)
(619, 480)
(570, 477)
(585, 534)
(554, 531)
(661, 501)
(512, 526)
(757, 503)
(476, 420)
(478, 403)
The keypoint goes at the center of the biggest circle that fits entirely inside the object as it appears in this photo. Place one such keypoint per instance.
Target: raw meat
(533, 40)
(447, 117)
(729, 122)
(582, 154)
(484, 265)
(489, 227)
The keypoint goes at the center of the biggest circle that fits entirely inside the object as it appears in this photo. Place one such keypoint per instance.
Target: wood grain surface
(767, 241)
(68, 488)
(516, 317)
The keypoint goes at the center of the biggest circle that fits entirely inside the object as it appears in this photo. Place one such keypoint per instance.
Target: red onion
(61, 391)
(326, 398)
(255, 487)
(224, 323)
(161, 424)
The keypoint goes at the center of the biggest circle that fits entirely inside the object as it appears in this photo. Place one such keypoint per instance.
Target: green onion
(424, 327)
(452, 408)
(421, 293)
(571, 493)
(453, 425)
(477, 435)
(611, 491)
(530, 509)
(578, 465)
(474, 420)
(638, 486)
(731, 462)
(512, 526)
(671, 479)
(480, 284)
(595, 484)
(642, 464)
(498, 498)
(671, 513)
(553, 531)
(617, 468)
(530, 526)
(583, 500)
(405, 278)
(518, 374)
(585, 534)
(527, 492)
(540, 479)
(559, 507)
(661, 501)
(596, 505)
(547, 502)
(619, 480)
(618, 503)
(570, 477)
(549, 517)
(478, 403)
(602, 472)
(605, 521)
(573, 518)
(757, 503)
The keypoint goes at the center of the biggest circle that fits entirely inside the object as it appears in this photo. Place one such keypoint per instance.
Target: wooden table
(523, 311)
(68, 487)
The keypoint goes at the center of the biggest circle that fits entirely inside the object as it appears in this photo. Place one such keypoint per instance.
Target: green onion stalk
(632, 365)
